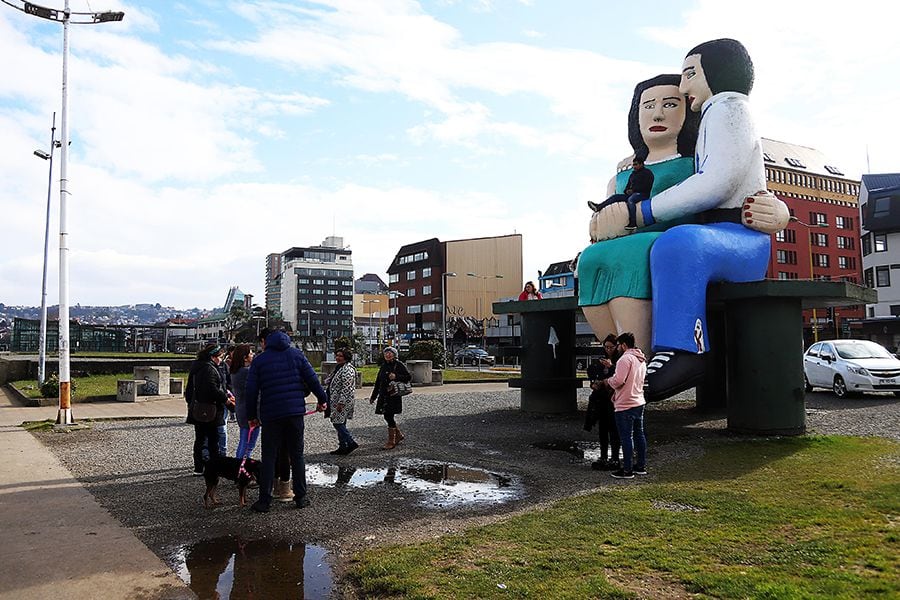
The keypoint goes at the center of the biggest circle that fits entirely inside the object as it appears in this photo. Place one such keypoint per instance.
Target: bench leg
(540, 363)
(711, 394)
(765, 366)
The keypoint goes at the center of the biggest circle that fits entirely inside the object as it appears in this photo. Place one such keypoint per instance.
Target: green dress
(620, 268)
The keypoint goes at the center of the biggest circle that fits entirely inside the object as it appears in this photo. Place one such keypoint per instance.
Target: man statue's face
(693, 83)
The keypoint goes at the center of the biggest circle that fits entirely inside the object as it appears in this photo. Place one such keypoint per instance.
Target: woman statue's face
(661, 115)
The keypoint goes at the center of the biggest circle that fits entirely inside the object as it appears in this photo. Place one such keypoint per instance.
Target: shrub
(50, 387)
(431, 350)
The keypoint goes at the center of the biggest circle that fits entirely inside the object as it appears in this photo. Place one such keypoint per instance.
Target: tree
(431, 350)
(236, 318)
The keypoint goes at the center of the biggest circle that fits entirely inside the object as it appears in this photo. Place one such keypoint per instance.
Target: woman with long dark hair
(240, 367)
(205, 385)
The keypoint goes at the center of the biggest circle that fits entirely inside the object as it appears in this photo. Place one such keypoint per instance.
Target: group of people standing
(616, 406)
(267, 393)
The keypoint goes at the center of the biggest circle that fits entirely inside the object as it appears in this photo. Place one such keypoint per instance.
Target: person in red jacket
(529, 293)
(627, 384)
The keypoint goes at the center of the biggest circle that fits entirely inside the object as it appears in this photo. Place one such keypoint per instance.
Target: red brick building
(823, 242)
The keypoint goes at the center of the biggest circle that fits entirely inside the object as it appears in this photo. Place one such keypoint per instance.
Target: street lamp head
(471, 275)
(41, 154)
(449, 274)
(108, 16)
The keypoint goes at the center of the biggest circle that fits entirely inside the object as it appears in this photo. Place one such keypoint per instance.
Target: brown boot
(392, 438)
(399, 437)
(283, 491)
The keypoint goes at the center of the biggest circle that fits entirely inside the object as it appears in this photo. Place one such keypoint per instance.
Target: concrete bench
(753, 373)
(149, 383)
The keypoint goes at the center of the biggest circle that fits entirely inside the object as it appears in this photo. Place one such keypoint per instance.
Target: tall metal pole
(64, 416)
(42, 340)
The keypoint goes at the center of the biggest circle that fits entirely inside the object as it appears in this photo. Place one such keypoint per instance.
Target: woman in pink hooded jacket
(627, 385)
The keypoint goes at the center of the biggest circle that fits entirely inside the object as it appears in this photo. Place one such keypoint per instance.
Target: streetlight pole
(64, 416)
(444, 311)
(42, 340)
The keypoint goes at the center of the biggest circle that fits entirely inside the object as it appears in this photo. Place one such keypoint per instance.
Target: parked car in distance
(473, 356)
(848, 366)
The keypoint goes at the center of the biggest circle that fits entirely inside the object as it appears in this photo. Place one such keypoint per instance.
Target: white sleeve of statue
(727, 143)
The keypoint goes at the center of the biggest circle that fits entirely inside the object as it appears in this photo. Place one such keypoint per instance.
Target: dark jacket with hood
(204, 384)
(390, 404)
(283, 378)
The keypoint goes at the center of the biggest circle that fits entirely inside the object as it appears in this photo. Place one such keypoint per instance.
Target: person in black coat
(600, 407)
(205, 384)
(391, 370)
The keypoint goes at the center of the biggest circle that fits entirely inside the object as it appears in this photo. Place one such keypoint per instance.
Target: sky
(208, 134)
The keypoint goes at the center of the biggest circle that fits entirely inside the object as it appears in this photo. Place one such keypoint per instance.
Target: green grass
(96, 387)
(810, 517)
(369, 372)
(92, 387)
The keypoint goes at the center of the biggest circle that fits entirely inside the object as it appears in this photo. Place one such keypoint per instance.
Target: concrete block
(127, 390)
(420, 371)
(157, 375)
(437, 377)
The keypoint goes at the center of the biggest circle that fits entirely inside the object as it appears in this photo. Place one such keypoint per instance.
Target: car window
(814, 349)
(862, 349)
(826, 351)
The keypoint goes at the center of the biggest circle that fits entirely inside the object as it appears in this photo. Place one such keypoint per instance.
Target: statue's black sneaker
(670, 373)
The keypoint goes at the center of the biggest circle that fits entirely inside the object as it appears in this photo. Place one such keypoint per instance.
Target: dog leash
(241, 469)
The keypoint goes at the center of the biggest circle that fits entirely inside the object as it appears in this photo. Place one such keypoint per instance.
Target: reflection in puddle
(230, 567)
(581, 451)
(441, 485)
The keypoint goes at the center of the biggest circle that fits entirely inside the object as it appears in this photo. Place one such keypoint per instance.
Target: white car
(848, 366)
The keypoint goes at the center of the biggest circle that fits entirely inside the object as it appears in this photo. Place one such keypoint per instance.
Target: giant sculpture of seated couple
(708, 216)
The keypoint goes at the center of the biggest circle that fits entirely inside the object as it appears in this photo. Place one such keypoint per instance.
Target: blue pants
(631, 433)
(287, 431)
(344, 437)
(245, 446)
(683, 261)
(222, 444)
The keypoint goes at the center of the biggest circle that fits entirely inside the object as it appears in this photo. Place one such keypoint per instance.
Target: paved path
(57, 540)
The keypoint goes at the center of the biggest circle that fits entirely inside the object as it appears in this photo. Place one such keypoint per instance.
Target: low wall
(14, 369)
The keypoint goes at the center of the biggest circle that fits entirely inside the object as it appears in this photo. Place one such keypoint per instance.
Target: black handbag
(203, 412)
(398, 388)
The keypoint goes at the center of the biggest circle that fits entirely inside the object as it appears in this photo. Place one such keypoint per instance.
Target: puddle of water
(439, 485)
(581, 451)
(231, 567)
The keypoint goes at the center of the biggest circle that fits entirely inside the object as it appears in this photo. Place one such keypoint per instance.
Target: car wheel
(459, 362)
(839, 388)
(806, 385)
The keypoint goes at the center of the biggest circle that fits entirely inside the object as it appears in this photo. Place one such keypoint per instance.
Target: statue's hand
(609, 222)
(764, 212)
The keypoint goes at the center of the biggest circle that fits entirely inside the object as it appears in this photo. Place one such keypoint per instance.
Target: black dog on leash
(229, 468)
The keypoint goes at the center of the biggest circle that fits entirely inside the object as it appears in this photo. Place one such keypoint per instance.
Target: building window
(779, 235)
(426, 272)
(820, 239)
(318, 292)
(426, 289)
(403, 260)
(410, 292)
(394, 278)
(883, 276)
(843, 222)
(880, 242)
(410, 275)
(788, 236)
(820, 260)
(869, 277)
(845, 262)
(786, 257)
(895, 310)
(818, 218)
(866, 244)
(413, 309)
(845, 243)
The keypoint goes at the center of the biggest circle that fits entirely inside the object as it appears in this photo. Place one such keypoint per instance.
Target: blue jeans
(631, 433)
(245, 447)
(344, 437)
(222, 445)
(287, 431)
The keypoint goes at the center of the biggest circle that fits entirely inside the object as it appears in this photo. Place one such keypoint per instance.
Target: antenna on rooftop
(868, 166)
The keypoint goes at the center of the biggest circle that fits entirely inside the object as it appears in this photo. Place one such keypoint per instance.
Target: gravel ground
(139, 470)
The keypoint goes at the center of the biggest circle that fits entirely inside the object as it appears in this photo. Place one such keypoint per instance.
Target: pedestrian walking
(390, 405)
(341, 387)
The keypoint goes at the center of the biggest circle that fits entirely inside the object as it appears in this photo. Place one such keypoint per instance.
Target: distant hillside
(142, 314)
